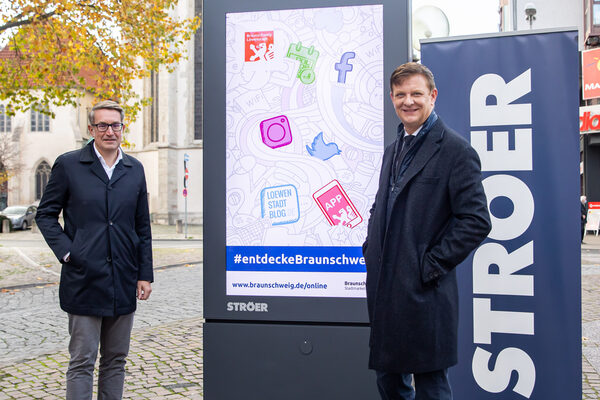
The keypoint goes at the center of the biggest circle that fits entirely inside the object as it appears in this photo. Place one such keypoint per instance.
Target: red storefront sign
(589, 122)
(593, 205)
(590, 73)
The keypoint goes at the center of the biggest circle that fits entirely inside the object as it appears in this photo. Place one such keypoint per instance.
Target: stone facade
(162, 134)
(36, 141)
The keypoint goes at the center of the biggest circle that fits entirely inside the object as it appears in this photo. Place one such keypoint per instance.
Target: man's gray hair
(105, 105)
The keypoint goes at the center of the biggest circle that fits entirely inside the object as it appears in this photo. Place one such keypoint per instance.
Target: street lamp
(530, 12)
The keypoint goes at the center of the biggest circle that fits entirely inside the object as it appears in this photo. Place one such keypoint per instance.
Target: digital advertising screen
(305, 93)
(296, 114)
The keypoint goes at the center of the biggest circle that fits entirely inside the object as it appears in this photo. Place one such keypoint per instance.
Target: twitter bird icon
(321, 150)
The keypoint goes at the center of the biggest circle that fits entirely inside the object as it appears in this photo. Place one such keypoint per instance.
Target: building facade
(169, 131)
(520, 15)
(30, 142)
(164, 133)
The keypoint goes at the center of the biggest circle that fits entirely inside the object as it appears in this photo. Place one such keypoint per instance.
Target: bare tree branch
(16, 23)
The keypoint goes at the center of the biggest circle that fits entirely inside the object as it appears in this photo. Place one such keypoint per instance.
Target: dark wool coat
(438, 218)
(106, 230)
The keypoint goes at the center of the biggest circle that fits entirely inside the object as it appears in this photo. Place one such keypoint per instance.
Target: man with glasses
(105, 247)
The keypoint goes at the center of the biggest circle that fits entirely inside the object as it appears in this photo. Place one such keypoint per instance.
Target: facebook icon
(343, 66)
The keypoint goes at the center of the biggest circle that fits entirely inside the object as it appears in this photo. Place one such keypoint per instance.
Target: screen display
(304, 143)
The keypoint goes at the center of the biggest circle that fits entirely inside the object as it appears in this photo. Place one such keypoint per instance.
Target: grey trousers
(87, 332)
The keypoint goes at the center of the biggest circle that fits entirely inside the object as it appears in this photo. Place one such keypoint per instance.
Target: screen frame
(218, 305)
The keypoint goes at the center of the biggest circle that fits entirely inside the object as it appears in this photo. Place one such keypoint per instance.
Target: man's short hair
(105, 105)
(409, 69)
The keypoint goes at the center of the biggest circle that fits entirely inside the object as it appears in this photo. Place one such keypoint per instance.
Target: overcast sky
(466, 17)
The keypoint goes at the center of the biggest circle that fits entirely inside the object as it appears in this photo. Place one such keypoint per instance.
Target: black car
(21, 217)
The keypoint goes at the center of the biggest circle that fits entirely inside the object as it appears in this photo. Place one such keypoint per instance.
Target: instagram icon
(276, 132)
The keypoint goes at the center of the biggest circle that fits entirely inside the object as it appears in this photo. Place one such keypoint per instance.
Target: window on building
(3, 187)
(40, 122)
(154, 107)
(42, 174)
(198, 76)
(5, 119)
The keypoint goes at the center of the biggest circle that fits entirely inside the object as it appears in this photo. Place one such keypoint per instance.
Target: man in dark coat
(429, 213)
(105, 248)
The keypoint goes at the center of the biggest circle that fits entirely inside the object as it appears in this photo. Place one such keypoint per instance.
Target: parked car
(21, 217)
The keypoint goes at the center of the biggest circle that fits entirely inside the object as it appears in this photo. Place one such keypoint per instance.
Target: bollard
(179, 226)
(5, 226)
(34, 228)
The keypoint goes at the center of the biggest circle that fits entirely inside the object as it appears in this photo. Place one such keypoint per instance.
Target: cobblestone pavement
(165, 360)
(25, 259)
(590, 320)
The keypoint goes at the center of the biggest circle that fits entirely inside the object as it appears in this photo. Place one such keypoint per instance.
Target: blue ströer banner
(515, 98)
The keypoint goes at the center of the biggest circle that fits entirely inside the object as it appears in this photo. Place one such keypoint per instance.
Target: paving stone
(167, 337)
(166, 355)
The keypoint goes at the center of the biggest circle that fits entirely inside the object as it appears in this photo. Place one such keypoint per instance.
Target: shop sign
(589, 118)
(590, 74)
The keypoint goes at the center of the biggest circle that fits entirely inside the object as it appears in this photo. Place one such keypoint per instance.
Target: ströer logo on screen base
(249, 306)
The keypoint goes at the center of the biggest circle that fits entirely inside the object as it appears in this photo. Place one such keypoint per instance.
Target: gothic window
(154, 107)
(198, 76)
(42, 174)
(5, 119)
(40, 122)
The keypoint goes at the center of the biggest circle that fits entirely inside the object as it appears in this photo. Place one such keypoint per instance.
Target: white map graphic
(275, 161)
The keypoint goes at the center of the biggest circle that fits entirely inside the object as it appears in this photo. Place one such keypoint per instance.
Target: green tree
(57, 49)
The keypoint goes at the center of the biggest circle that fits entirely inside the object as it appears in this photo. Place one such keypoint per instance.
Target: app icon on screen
(276, 132)
(336, 205)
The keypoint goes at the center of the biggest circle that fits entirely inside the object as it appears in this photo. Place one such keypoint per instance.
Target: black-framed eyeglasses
(103, 127)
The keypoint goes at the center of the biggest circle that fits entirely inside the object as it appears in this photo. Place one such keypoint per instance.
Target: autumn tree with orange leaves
(56, 49)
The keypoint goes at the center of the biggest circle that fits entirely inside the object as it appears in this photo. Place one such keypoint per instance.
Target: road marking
(33, 263)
